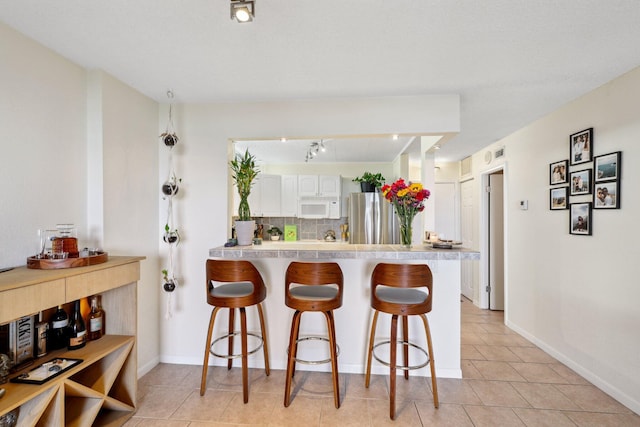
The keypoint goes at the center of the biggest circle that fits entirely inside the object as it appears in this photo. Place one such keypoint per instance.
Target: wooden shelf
(100, 391)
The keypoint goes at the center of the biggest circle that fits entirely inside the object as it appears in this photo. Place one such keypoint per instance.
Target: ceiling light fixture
(395, 137)
(314, 147)
(242, 11)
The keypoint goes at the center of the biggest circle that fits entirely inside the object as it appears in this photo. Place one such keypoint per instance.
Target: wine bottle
(77, 329)
(95, 320)
(41, 336)
(58, 337)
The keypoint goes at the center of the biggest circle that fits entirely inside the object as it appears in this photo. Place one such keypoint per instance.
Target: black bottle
(58, 337)
(77, 329)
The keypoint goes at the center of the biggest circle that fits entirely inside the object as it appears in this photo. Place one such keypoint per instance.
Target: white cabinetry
(289, 196)
(319, 185)
(265, 196)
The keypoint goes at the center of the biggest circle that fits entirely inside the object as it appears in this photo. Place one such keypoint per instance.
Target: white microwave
(319, 207)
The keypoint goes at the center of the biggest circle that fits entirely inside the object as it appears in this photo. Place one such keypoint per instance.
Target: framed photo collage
(584, 182)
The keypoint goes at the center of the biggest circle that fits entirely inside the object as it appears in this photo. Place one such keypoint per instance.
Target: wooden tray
(52, 264)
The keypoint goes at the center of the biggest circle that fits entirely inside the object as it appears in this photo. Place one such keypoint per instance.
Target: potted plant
(275, 233)
(243, 171)
(369, 182)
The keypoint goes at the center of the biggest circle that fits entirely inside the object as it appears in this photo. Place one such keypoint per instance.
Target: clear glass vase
(405, 231)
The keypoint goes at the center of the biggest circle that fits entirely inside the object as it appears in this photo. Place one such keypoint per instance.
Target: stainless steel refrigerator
(372, 220)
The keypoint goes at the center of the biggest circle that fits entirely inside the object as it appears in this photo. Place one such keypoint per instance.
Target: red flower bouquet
(408, 200)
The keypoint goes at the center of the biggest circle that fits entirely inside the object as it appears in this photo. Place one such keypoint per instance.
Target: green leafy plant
(243, 171)
(274, 231)
(374, 179)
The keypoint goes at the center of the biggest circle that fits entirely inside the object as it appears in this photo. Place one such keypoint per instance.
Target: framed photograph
(558, 198)
(606, 195)
(581, 147)
(580, 219)
(580, 182)
(558, 172)
(607, 167)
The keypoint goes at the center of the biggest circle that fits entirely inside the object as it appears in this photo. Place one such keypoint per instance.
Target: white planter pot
(244, 232)
(275, 237)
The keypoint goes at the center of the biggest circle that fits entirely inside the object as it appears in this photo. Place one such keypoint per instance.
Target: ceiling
(511, 61)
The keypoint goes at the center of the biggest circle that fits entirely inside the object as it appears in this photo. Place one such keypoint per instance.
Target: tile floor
(507, 381)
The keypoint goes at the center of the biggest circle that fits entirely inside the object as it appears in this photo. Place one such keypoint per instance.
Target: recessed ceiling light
(283, 139)
(242, 11)
(395, 137)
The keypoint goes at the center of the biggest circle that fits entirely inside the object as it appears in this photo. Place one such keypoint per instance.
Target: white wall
(42, 118)
(79, 147)
(577, 296)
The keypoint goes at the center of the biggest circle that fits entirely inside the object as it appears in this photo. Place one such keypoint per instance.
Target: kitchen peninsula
(354, 317)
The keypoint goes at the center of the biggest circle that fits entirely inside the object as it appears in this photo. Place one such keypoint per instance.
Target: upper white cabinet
(289, 195)
(319, 185)
(265, 197)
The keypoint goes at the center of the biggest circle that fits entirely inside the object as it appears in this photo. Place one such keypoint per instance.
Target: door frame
(484, 236)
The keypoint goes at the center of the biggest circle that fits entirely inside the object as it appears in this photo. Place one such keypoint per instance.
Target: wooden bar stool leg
(265, 341)
(205, 364)
(232, 313)
(331, 328)
(372, 336)
(405, 348)
(293, 347)
(432, 362)
(392, 366)
(245, 367)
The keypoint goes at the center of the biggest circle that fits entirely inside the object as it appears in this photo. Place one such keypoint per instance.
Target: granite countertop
(319, 249)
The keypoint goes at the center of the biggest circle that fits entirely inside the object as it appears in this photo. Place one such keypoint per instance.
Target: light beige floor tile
(592, 419)
(496, 370)
(543, 418)
(470, 338)
(469, 352)
(569, 375)
(472, 327)
(469, 371)
(452, 390)
(352, 412)
(447, 415)
(162, 423)
(355, 387)
(315, 384)
(203, 408)
(161, 401)
(498, 393)
(413, 388)
(532, 354)
(538, 373)
(166, 374)
(544, 396)
(406, 413)
(497, 352)
(274, 383)
(590, 398)
(489, 416)
(506, 340)
(259, 408)
(303, 411)
(132, 422)
(496, 328)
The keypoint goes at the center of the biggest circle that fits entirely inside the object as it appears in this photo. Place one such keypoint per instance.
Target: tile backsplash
(308, 229)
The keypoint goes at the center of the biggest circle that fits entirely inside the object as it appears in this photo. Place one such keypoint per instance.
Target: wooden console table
(102, 389)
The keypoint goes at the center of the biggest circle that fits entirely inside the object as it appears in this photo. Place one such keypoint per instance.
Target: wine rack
(100, 391)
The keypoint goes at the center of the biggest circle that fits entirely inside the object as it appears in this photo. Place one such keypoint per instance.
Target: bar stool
(308, 288)
(393, 291)
(234, 284)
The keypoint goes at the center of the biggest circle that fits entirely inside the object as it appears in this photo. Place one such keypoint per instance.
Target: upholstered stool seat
(313, 287)
(401, 290)
(235, 284)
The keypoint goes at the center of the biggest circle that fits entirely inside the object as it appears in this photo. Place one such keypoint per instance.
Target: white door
(445, 210)
(496, 241)
(466, 236)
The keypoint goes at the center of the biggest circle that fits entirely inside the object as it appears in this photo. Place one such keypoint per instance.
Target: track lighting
(314, 147)
(242, 11)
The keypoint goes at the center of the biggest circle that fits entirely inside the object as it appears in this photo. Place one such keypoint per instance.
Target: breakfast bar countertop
(318, 249)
